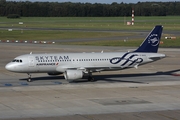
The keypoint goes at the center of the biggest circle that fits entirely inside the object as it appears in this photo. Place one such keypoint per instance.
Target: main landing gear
(90, 78)
(29, 78)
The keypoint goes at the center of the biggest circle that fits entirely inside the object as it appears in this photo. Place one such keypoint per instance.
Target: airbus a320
(76, 65)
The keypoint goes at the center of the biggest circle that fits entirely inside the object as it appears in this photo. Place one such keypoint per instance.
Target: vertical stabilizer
(151, 43)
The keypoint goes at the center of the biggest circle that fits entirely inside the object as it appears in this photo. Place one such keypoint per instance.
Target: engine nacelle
(73, 74)
(54, 73)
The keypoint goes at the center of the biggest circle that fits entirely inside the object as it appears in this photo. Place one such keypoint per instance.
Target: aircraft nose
(9, 67)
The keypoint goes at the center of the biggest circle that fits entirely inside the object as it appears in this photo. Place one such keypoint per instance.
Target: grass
(173, 43)
(113, 23)
(96, 23)
(130, 43)
(108, 43)
(54, 35)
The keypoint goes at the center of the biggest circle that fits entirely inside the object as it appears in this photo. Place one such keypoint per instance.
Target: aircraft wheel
(91, 79)
(29, 80)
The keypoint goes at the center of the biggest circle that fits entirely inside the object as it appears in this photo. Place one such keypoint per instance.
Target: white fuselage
(91, 62)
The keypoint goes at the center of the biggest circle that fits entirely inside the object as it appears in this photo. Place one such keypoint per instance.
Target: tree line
(68, 9)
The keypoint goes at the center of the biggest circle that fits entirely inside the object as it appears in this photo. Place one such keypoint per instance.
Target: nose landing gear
(29, 78)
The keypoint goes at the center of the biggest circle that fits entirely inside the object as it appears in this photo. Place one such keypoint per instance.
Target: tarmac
(149, 92)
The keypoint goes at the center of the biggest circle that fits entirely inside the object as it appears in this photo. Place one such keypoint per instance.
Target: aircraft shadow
(106, 78)
(109, 77)
(45, 78)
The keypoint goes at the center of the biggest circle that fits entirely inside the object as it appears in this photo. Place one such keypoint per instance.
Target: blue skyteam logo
(153, 39)
(127, 60)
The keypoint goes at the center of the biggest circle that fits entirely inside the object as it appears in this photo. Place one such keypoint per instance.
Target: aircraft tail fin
(152, 41)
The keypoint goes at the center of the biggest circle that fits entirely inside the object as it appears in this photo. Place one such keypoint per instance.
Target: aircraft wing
(87, 69)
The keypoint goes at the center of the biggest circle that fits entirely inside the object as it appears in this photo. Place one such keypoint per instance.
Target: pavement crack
(7, 106)
(163, 115)
(88, 117)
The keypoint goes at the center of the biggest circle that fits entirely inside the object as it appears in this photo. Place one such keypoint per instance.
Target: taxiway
(151, 91)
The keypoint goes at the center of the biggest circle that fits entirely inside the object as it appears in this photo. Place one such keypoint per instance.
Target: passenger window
(21, 61)
(17, 60)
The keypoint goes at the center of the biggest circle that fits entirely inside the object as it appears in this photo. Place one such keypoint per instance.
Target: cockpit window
(17, 60)
(14, 60)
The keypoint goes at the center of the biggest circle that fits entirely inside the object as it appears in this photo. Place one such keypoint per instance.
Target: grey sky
(99, 1)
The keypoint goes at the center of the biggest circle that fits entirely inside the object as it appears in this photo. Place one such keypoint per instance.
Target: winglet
(151, 43)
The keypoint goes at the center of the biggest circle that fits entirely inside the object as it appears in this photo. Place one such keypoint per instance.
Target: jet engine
(54, 73)
(73, 74)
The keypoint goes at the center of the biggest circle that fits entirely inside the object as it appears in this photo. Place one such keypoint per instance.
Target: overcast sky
(98, 1)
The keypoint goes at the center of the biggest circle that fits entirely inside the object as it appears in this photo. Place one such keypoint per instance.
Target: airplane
(77, 65)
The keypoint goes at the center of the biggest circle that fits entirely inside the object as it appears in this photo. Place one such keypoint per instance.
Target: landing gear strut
(29, 78)
(90, 78)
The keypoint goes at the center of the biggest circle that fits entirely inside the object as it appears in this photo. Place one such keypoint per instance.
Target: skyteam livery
(76, 65)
